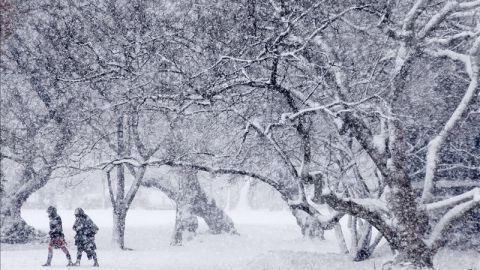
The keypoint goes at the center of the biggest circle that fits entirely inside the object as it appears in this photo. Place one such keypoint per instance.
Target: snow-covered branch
(448, 39)
(156, 184)
(436, 143)
(437, 19)
(327, 108)
(444, 224)
(469, 195)
(108, 166)
(212, 170)
(371, 212)
(412, 15)
(140, 172)
(325, 24)
(469, 5)
(291, 168)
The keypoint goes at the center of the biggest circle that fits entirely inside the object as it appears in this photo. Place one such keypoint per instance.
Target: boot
(95, 260)
(79, 257)
(49, 260)
(69, 258)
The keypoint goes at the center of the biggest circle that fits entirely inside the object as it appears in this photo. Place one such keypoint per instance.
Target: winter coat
(85, 233)
(56, 229)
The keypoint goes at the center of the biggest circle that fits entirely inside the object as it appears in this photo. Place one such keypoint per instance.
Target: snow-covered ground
(267, 240)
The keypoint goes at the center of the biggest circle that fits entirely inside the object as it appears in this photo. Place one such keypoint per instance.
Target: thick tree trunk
(186, 224)
(408, 260)
(217, 220)
(192, 201)
(309, 226)
(13, 229)
(412, 221)
(199, 204)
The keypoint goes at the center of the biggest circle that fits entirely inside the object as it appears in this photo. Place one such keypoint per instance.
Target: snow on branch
(469, 195)
(156, 184)
(469, 5)
(436, 143)
(327, 107)
(371, 204)
(412, 15)
(327, 22)
(349, 121)
(127, 160)
(437, 19)
(133, 162)
(371, 212)
(444, 224)
(213, 170)
(135, 185)
(448, 39)
(327, 222)
(267, 135)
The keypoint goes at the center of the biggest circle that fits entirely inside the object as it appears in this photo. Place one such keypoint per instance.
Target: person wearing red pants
(57, 238)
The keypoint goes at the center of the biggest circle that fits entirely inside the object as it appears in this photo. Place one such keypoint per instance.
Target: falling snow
(280, 134)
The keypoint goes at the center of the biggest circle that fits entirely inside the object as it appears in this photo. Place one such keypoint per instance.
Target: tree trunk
(340, 239)
(309, 226)
(13, 229)
(409, 259)
(119, 218)
(412, 221)
(186, 224)
(217, 220)
(185, 221)
(192, 201)
(202, 206)
(361, 247)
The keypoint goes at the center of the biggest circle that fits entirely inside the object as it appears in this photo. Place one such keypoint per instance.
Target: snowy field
(267, 240)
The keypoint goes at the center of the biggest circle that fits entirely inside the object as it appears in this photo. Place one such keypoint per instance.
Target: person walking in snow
(57, 238)
(85, 236)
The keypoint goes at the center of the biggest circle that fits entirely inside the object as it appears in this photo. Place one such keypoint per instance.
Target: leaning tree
(38, 119)
(371, 58)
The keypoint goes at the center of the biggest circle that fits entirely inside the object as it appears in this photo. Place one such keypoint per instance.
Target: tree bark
(412, 221)
(217, 220)
(309, 226)
(186, 223)
(119, 218)
(193, 202)
(13, 228)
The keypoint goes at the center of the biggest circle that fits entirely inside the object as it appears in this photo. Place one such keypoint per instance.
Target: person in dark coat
(57, 239)
(85, 236)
